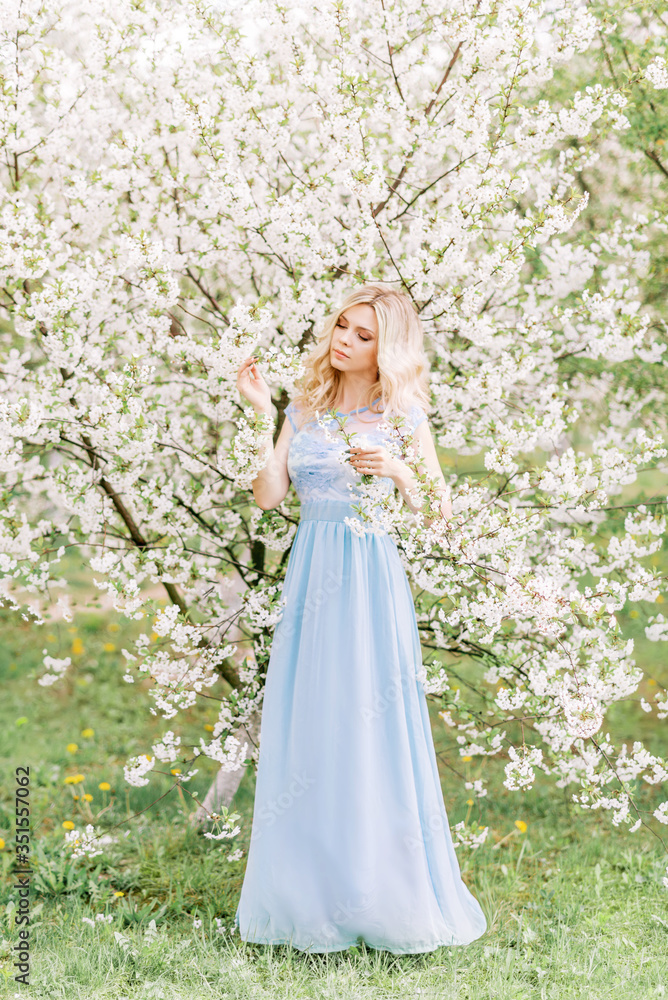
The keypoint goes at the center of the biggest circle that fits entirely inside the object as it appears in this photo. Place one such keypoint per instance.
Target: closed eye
(365, 339)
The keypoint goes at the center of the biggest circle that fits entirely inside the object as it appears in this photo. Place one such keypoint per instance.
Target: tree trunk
(225, 784)
(223, 788)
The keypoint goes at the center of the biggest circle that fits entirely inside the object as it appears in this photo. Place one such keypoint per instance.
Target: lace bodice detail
(316, 465)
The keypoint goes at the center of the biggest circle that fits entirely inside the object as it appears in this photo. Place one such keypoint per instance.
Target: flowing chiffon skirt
(350, 839)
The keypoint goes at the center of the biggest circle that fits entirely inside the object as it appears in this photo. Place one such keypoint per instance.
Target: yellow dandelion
(467, 758)
(651, 681)
(50, 637)
(72, 747)
(2, 844)
(67, 824)
(176, 770)
(521, 825)
(469, 802)
(154, 636)
(659, 598)
(72, 629)
(114, 627)
(634, 613)
(109, 647)
(119, 893)
(87, 733)
(149, 756)
(208, 727)
(88, 797)
(76, 798)
(77, 647)
(105, 786)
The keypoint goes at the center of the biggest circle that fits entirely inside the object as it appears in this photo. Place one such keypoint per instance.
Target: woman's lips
(340, 353)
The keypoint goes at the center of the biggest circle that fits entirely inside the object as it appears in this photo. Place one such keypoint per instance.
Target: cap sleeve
(416, 416)
(290, 412)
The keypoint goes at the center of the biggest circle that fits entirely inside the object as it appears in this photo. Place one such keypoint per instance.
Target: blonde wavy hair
(403, 366)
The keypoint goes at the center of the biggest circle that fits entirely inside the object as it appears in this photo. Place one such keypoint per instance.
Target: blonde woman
(350, 839)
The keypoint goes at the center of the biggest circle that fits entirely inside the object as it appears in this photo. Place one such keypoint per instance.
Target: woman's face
(356, 337)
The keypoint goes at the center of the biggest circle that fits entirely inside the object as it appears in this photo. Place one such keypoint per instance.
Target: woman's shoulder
(414, 415)
(292, 412)
(295, 411)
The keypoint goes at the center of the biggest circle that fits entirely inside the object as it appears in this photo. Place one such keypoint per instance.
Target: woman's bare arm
(428, 463)
(271, 485)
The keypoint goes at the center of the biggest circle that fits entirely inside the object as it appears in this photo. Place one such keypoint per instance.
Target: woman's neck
(351, 395)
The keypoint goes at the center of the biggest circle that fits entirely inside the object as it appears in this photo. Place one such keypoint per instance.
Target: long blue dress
(350, 839)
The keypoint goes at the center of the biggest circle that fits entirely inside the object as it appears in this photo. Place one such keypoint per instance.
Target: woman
(350, 839)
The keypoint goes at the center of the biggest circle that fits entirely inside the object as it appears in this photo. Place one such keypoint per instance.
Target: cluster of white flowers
(661, 812)
(476, 787)
(89, 843)
(657, 629)
(225, 828)
(136, 768)
(230, 752)
(463, 836)
(246, 456)
(55, 667)
(279, 536)
(584, 716)
(657, 73)
(168, 747)
(520, 768)
(434, 682)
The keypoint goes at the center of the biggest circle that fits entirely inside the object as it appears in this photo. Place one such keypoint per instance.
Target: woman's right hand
(253, 387)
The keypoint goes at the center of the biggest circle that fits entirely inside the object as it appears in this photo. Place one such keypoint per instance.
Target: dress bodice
(316, 463)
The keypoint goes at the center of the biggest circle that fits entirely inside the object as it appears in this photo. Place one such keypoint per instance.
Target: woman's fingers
(249, 365)
(366, 460)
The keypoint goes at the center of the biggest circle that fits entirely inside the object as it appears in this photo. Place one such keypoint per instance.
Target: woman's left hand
(375, 461)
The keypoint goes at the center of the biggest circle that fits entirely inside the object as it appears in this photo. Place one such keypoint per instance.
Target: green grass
(575, 907)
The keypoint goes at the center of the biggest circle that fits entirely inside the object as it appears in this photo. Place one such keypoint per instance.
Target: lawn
(575, 907)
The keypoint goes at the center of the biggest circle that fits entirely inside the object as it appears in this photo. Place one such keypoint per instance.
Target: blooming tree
(185, 184)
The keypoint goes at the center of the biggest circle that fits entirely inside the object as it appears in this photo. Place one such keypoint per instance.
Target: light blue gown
(350, 839)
